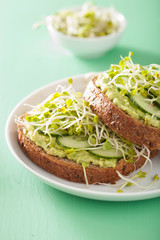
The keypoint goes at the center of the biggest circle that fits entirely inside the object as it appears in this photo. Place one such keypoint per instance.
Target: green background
(30, 209)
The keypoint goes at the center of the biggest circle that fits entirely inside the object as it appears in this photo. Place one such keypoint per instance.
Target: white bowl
(87, 47)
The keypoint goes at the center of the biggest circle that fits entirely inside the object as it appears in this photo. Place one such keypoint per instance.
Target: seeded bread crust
(120, 122)
(71, 171)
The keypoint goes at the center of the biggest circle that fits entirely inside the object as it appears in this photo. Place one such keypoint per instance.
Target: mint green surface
(30, 209)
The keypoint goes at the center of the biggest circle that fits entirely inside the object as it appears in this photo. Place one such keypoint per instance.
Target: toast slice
(70, 170)
(120, 122)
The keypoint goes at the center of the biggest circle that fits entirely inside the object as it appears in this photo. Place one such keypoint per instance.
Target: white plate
(99, 192)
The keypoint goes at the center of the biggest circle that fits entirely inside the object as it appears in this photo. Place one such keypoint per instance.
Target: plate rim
(66, 187)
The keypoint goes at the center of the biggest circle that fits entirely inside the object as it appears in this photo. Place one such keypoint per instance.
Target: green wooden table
(30, 209)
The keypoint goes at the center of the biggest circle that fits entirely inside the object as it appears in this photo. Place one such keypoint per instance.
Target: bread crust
(120, 122)
(71, 171)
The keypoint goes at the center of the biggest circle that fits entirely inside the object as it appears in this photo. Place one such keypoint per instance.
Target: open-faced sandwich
(64, 137)
(127, 99)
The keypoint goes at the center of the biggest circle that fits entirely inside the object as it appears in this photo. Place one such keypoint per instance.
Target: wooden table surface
(30, 209)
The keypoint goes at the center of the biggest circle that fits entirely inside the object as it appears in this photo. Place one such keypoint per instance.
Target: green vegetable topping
(155, 178)
(141, 174)
(93, 140)
(133, 92)
(129, 184)
(123, 92)
(107, 145)
(84, 164)
(95, 119)
(70, 151)
(119, 191)
(69, 102)
(70, 81)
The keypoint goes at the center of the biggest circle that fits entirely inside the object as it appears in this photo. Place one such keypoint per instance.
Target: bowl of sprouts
(88, 31)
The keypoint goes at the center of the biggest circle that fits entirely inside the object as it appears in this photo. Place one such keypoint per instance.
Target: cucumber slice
(156, 102)
(108, 154)
(72, 142)
(139, 101)
(53, 134)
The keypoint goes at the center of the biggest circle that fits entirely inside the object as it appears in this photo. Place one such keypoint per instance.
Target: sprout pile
(87, 21)
(133, 78)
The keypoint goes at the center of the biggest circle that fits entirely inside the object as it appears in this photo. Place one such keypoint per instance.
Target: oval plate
(99, 192)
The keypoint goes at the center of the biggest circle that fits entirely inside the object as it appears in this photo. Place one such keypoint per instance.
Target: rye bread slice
(120, 122)
(71, 171)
